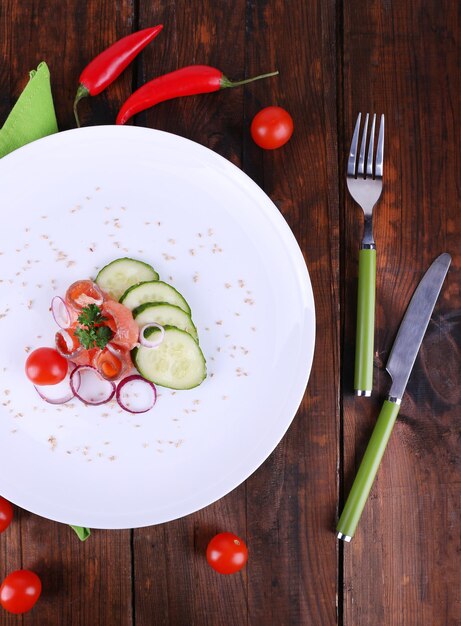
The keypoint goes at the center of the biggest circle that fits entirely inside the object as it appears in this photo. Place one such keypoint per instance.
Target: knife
(399, 366)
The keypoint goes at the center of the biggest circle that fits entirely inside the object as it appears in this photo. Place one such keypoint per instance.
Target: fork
(365, 185)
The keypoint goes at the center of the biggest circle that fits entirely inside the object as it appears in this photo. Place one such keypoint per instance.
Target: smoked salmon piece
(120, 321)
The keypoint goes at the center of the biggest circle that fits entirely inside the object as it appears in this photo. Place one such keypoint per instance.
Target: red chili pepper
(110, 63)
(187, 81)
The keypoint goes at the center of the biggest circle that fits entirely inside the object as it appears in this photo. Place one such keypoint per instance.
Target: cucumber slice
(178, 362)
(121, 274)
(165, 315)
(153, 291)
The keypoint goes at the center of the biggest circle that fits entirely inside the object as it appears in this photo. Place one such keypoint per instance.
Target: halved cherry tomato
(45, 366)
(112, 363)
(20, 591)
(82, 293)
(226, 553)
(67, 342)
(6, 514)
(272, 127)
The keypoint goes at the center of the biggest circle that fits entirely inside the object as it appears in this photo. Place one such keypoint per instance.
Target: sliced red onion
(135, 394)
(155, 342)
(62, 392)
(93, 388)
(69, 343)
(60, 312)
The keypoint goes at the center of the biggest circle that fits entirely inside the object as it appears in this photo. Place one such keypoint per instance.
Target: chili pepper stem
(82, 92)
(225, 82)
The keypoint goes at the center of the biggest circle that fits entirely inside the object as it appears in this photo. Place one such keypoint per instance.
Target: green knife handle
(363, 379)
(367, 471)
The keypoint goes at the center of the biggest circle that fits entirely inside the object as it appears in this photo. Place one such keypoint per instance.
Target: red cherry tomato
(6, 514)
(45, 366)
(227, 553)
(20, 591)
(272, 127)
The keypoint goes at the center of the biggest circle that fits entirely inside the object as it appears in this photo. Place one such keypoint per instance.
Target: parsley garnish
(92, 332)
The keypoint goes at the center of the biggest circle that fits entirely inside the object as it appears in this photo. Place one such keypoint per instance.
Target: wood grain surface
(335, 59)
(403, 59)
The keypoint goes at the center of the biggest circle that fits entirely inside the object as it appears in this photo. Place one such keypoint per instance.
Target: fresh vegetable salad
(118, 336)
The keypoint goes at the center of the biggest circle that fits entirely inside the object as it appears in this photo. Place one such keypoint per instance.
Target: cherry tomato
(226, 553)
(109, 363)
(82, 293)
(272, 127)
(6, 514)
(45, 366)
(20, 591)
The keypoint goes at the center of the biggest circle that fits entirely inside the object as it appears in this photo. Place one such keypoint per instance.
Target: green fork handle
(367, 471)
(363, 378)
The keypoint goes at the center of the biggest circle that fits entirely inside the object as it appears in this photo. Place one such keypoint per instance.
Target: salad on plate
(118, 335)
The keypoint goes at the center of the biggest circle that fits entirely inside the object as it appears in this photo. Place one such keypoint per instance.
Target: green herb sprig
(92, 333)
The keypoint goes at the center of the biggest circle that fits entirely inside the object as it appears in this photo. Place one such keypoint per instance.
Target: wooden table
(335, 59)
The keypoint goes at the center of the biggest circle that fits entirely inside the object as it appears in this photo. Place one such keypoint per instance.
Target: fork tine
(380, 150)
(371, 147)
(361, 168)
(353, 151)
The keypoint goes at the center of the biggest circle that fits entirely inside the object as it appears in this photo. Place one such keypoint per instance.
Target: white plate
(73, 202)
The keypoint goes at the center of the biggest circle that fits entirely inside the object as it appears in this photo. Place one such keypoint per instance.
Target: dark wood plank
(286, 510)
(174, 584)
(403, 59)
(67, 35)
(292, 499)
(82, 583)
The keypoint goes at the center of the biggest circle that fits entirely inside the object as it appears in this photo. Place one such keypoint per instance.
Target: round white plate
(73, 202)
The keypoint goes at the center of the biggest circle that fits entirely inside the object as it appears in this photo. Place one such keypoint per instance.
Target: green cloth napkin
(33, 114)
(33, 117)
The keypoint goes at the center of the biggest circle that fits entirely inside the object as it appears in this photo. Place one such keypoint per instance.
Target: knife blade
(400, 363)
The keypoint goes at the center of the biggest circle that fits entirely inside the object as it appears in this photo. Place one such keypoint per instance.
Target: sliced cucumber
(153, 291)
(165, 315)
(178, 363)
(121, 274)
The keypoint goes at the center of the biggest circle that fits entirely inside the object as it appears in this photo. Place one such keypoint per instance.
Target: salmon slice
(120, 321)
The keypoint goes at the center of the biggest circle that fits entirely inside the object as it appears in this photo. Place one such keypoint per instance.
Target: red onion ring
(90, 399)
(125, 403)
(151, 344)
(64, 333)
(60, 312)
(52, 393)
